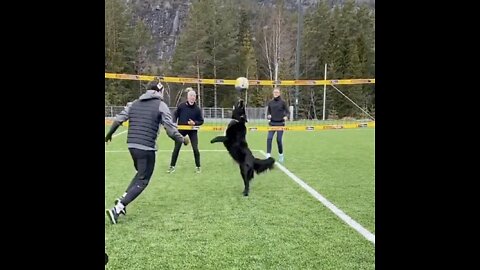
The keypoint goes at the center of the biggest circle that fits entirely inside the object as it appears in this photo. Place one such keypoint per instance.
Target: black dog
(237, 146)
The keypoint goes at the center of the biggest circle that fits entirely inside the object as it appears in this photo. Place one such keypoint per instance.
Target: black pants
(144, 162)
(192, 134)
(279, 137)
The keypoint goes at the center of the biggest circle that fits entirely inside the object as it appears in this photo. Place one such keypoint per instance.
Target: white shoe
(171, 169)
(268, 155)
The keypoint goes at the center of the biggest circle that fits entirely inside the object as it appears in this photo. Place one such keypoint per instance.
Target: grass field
(201, 221)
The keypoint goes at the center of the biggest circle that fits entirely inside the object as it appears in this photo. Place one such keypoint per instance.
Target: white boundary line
(355, 225)
(119, 133)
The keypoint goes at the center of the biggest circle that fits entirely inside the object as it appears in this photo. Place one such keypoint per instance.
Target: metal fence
(255, 116)
(208, 113)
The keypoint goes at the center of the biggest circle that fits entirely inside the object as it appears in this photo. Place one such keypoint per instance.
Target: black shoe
(124, 210)
(112, 215)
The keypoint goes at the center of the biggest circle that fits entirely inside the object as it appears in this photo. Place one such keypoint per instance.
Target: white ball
(241, 83)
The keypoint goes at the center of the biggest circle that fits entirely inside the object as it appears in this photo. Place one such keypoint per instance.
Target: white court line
(119, 133)
(106, 143)
(355, 225)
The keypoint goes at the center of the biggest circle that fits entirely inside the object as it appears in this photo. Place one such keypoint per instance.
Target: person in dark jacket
(277, 113)
(188, 113)
(144, 115)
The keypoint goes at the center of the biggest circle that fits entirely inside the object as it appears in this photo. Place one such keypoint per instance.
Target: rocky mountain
(165, 19)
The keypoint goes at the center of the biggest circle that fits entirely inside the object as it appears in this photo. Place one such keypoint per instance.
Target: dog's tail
(219, 139)
(261, 165)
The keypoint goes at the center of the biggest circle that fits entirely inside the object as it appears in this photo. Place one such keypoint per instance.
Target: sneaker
(198, 170)
(171, 169)
(112, 215)
(268, 155)
(124, 210)
(280, 158)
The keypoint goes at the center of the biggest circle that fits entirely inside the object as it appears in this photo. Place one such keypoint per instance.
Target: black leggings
(279, 138)
(192, 134)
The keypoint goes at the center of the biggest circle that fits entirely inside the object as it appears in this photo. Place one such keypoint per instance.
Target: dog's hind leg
(246, 180)
(247, 175)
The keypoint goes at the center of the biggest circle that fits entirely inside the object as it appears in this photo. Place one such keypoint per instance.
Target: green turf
(264, 122)
(201, 221)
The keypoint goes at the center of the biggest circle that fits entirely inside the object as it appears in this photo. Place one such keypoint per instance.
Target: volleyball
(241, 84)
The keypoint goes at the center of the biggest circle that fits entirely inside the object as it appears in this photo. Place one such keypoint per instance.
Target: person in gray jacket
(145, 115)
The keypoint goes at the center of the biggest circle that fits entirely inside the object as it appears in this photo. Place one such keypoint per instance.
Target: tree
(191, 55)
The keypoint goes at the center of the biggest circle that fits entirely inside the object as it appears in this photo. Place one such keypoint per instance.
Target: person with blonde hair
(188, 113)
